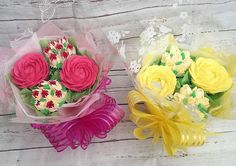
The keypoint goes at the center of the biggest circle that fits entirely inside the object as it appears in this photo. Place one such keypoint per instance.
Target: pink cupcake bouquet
(56, 83)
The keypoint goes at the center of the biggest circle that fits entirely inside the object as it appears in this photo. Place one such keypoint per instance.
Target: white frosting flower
(58, 51)
(193, 98)
(134, 66)
(179, 61)
(49, 96)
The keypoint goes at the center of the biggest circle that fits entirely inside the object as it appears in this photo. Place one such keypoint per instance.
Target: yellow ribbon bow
(171, 121)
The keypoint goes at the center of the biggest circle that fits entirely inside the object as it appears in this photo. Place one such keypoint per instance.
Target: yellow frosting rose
(210, 75)
(158, 79)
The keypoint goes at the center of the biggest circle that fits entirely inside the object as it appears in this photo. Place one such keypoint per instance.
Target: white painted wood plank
(227, 38)
(218, 151)
(22, 136)
(6, 118)
(11, 9)
(126, 20)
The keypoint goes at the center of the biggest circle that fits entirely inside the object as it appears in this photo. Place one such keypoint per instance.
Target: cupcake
(58, 51)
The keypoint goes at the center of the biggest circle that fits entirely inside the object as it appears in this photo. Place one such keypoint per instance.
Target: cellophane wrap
(76, 123)
(155, 114)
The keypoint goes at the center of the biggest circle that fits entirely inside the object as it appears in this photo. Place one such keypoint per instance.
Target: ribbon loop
(80, 131)
(178, 130)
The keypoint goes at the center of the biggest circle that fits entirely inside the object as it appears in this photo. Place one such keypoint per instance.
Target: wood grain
(128, 17)
(126, 152)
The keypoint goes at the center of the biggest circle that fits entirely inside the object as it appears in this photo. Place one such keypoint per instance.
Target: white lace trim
(25, 34)
(116, 39)
(48, 8)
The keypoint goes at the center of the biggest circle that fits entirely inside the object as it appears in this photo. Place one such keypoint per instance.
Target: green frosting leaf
(76, 96)
(73, 42)
(52, 92)
(63, 49)
(157, 62)
(54, 51)
(46, 86)
(25, 91)
(193, 94)
(61, 103)
(86, 52)
(178, 85)
(194, 58)
(185, 101)
(64, 88)
(54, 74)
(175, 72)
(45, 112)
(65, 45)
(47, 59)
(178, 63)
(192, 85)
(44, 43)
(162, 63)
(8, 77)
(214, 99)
(182, 55)
(32, 101)
(202, 108)
(216, 96)
(186, 78)
(59, 65)
(43, 100)
(68, 96)
(26, 96)
(73, 96)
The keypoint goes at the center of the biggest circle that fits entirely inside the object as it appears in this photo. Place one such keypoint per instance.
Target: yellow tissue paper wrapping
(183, 83)
(229, 63)
(157, 116)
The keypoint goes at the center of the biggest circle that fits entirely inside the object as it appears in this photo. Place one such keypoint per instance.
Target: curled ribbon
(172, 122)
(80, 131)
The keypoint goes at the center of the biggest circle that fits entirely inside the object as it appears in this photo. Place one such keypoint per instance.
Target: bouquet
(181, 85)
(56, 81)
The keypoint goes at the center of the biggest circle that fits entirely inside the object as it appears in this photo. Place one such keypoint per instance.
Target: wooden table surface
(23, 146)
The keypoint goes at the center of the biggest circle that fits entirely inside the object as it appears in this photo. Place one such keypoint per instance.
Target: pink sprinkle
(46, 49)
(58, 93)
(50, 104)
(44, 93)
(64, 54)
(40, 85)
(70, 46)
(53, 57)
(53, 43)
(59, 46)
(35, 93)
(51, 82)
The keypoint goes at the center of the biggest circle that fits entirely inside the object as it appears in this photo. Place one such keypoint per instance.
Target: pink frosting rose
(29, 70)
(78, 73)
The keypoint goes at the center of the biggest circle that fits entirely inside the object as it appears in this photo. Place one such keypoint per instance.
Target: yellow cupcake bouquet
(179, 90)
